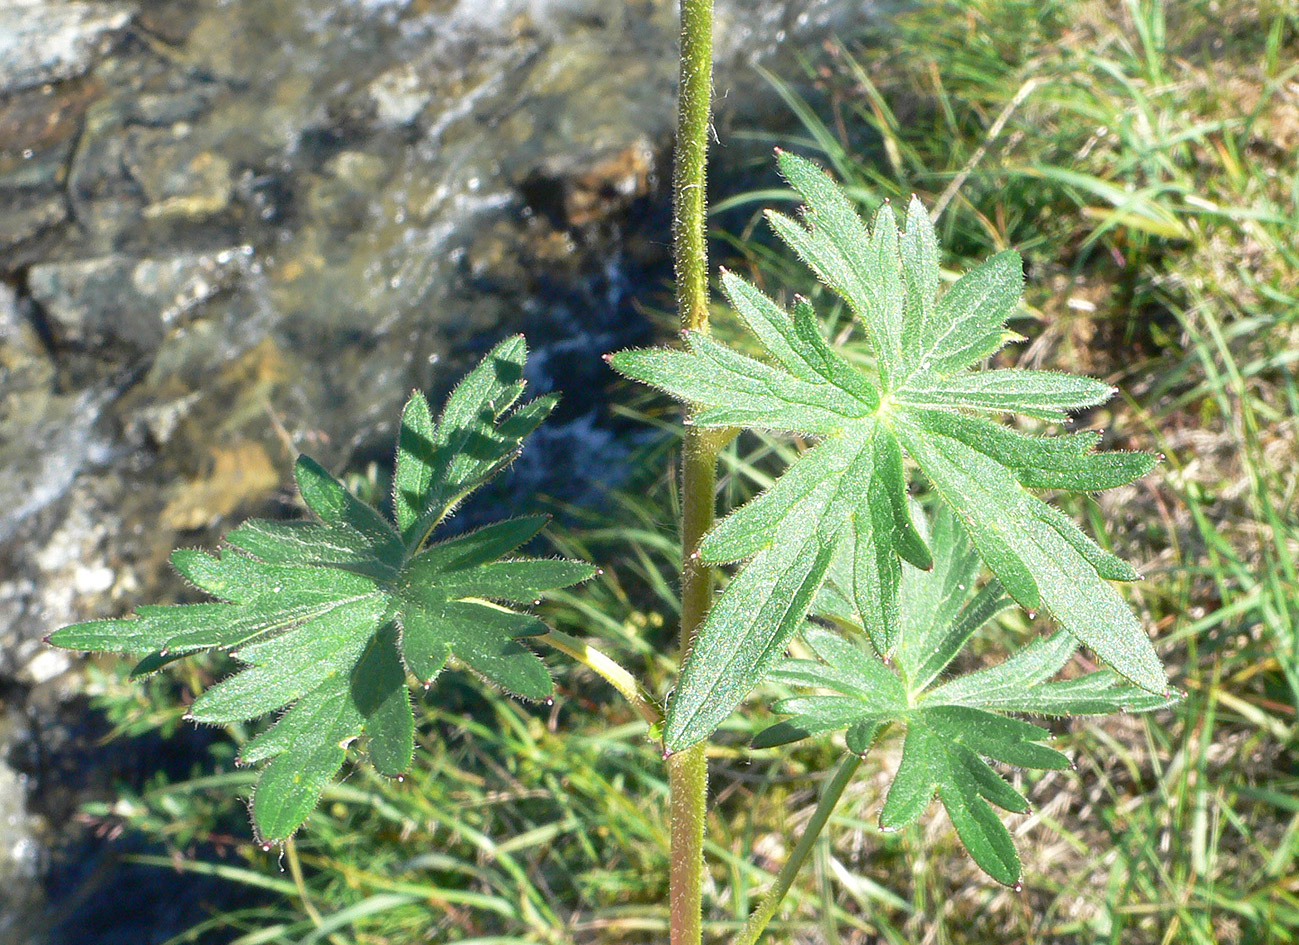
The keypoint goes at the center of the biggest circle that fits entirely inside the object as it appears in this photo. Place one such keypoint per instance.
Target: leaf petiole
(607, 669)
(830, 797)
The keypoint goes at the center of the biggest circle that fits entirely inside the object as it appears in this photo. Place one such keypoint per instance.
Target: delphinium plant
(338, 619)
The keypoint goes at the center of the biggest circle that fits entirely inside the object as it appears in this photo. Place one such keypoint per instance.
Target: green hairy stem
(689, 188)
(688, 770)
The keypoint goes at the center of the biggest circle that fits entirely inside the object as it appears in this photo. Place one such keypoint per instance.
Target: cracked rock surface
(42, 41)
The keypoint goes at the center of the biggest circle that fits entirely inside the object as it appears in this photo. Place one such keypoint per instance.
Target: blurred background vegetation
(1141, 156)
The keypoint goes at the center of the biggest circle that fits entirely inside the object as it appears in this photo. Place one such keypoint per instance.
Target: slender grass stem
(607, 669)
(688, 769)
(300, 883)
(785, 878)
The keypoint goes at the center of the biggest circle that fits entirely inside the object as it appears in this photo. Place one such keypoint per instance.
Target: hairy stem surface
(688, 770)
(785, 878)
(688, 791)
(690, 162)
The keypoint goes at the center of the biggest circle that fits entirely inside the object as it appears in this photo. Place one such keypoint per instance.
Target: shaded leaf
(473, 439)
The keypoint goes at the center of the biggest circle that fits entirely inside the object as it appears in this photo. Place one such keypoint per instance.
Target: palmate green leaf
(329, 618)
(843, 502)
(955, 727)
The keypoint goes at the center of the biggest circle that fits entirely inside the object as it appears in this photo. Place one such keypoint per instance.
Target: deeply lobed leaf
(329, 617)
(954, 727)
(842, 504)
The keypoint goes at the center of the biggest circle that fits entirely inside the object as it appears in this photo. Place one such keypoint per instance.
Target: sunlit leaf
(953, 726)
(844, 499)
(328, 618)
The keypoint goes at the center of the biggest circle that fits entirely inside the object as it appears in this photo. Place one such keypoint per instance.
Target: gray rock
(46, 439)
(25, 366)
(399, 95)
(10, 322)
(160, 420)
(122, 300)
(48, 41)
(25, 214)
(20, 851)
(179, 176)
(105, 201)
